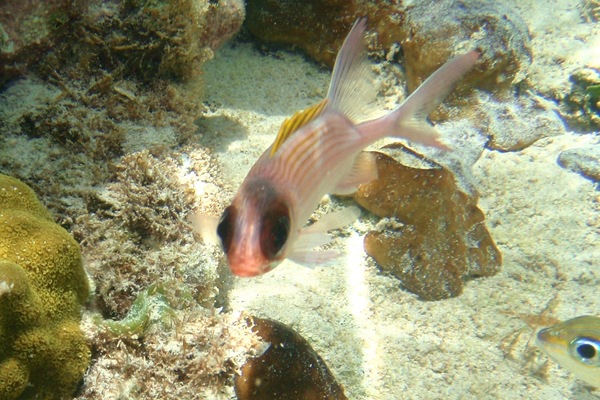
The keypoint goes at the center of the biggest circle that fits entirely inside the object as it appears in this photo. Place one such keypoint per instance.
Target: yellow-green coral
(43, 353)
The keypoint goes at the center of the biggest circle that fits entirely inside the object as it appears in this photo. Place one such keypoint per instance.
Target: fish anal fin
(333, 220)
(364, 170)
(314, 258)
(297, 120)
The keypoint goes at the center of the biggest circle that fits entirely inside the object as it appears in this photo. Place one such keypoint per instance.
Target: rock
(516, 124)
(583, 160)
(442, 239)
(288, 370)
(429, 33)
(316, 26)
(435, 30)
(26, 33)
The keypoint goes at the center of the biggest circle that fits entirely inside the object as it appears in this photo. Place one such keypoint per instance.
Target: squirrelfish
(317, 152)
(575, 345)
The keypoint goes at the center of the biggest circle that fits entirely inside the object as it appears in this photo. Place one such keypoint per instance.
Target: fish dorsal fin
(293, 123)
(352, 90)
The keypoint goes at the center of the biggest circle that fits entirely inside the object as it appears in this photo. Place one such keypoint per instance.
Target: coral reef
(289, 369)
(43, 353)
(158, 290)
(112, 84)
(143, 39)
(437, 238)
(135, 233)
(428, 32)
(195, 358)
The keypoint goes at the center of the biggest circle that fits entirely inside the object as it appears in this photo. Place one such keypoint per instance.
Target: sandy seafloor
(380, 341)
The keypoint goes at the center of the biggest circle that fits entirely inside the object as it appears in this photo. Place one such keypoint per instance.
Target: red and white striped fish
(318, 151)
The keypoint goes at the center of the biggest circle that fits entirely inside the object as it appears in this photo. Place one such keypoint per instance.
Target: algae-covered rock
(43, 353)
(288, 370)
(434, 30)
(26, 33)
(144, 39)
(439, 239)
(581, 106)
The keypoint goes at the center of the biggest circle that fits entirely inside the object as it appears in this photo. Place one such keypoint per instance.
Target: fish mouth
(248, 269)
(252, 269)
(543, 336)
(245, 272)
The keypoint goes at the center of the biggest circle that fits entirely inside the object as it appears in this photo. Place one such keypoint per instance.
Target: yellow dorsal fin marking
(299, 119)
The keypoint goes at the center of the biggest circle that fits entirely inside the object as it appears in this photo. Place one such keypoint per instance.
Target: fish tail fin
(409, 119)
(352, 91)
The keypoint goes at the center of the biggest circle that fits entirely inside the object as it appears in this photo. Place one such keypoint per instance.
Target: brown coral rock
(443, 240)
(290, 369)
(318, 27)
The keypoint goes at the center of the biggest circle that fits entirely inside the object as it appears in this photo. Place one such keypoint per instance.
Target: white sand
(380, 341)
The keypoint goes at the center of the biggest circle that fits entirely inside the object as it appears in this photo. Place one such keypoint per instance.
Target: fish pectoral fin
(316, 235)
(206, 227)
(334, 220)
(364, 170)
(304, 249)
(314, 258)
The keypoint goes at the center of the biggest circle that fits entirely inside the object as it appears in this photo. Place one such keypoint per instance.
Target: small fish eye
(225, 228)
(586, 350)
(275, 230)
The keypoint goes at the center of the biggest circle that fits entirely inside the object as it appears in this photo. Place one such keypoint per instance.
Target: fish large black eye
(586, 350)
(275, 230)
(226, 227)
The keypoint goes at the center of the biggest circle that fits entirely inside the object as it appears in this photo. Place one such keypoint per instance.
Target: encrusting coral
(438, 238)
(43, 353)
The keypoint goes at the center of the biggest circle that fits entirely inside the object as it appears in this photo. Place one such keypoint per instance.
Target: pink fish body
(265, 222)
